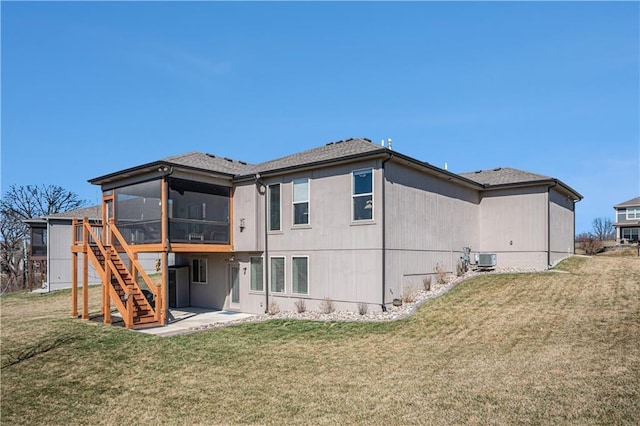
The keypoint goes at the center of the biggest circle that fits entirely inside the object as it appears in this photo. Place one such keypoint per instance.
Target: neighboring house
(49, 255)
(627, 222)
(351, 221)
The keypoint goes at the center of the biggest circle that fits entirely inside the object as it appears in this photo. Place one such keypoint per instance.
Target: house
(351, 221)
(49, 254)
(627, 223)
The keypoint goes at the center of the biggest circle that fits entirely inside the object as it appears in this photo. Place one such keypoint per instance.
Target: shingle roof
(93, 212)
(629, 203)
(331, 151)
(210, 162)
(503, 176)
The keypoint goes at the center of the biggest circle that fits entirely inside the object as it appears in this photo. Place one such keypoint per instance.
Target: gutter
(384, 237)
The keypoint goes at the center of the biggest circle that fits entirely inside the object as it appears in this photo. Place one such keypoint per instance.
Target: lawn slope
(557, 347)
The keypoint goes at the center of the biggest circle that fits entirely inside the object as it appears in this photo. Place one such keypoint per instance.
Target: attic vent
(487, 260)
(228, 159)
(366, 139)
(497, 169)
(210, 155)
(347, 140)
(242, 162)
(478, 171)
(330, 143)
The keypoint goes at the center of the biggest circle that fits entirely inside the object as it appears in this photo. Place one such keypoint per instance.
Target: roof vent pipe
(382, 142)
(389, 143)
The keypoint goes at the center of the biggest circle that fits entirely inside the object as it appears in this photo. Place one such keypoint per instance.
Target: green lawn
(546, 348)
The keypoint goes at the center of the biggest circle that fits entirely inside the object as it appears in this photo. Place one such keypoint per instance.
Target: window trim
(293, 203)
(206, 270)
(284, 275)
(279, 185)
(636, 213)
(354, 195)
(299, 256)
(262, 280)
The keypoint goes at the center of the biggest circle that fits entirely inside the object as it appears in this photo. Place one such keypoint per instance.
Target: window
(301, 202)
(256, 274)
(300, 274)
(199, 271)
(274, 207)
(633, 213)
(630, 234)
(277, 274)
(363, 194)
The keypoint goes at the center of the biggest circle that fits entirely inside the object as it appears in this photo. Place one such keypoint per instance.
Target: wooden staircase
(139, 308)
(124, 289)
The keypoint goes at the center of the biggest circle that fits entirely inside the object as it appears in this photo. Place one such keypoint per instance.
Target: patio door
(234, 286)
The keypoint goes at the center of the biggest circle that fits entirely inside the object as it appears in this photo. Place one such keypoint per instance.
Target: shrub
(363, 308)
(441, 274)
(273, 307)
(426, 283)
(301, 306)
(409, 297)
(327, 306)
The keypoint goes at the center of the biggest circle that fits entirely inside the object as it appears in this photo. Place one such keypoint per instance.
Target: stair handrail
(114, 230)
(124, 308)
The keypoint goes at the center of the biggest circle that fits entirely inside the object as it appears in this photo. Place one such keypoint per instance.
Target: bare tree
(603, 228)
(20, 203)
(589, 243)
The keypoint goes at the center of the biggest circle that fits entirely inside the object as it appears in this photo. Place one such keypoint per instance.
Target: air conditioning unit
(487, 260)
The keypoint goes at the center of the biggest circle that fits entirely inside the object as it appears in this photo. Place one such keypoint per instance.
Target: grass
(531, 348)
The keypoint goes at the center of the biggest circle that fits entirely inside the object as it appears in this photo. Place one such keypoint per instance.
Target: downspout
(555, 183)
(384, 238)
(265, 265)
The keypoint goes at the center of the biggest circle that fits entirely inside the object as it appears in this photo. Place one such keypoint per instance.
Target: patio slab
(189, 320)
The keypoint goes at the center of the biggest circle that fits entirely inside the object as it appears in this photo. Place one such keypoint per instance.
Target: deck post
(85, 270)
(106, 297)
(164, 234)
(74, 269)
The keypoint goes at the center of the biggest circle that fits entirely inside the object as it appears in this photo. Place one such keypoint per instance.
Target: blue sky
(552, 88)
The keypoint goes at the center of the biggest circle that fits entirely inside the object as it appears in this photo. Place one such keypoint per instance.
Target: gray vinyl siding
(428, 222)
(59, 272)
(622, 214)
(344, 256)
(248, 205)
(561, 217)
(215, 292)
(513, 224)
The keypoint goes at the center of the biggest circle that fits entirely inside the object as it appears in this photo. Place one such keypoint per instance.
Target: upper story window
(633, 213)
(274, 207)
(301, 202)
(362, 194)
